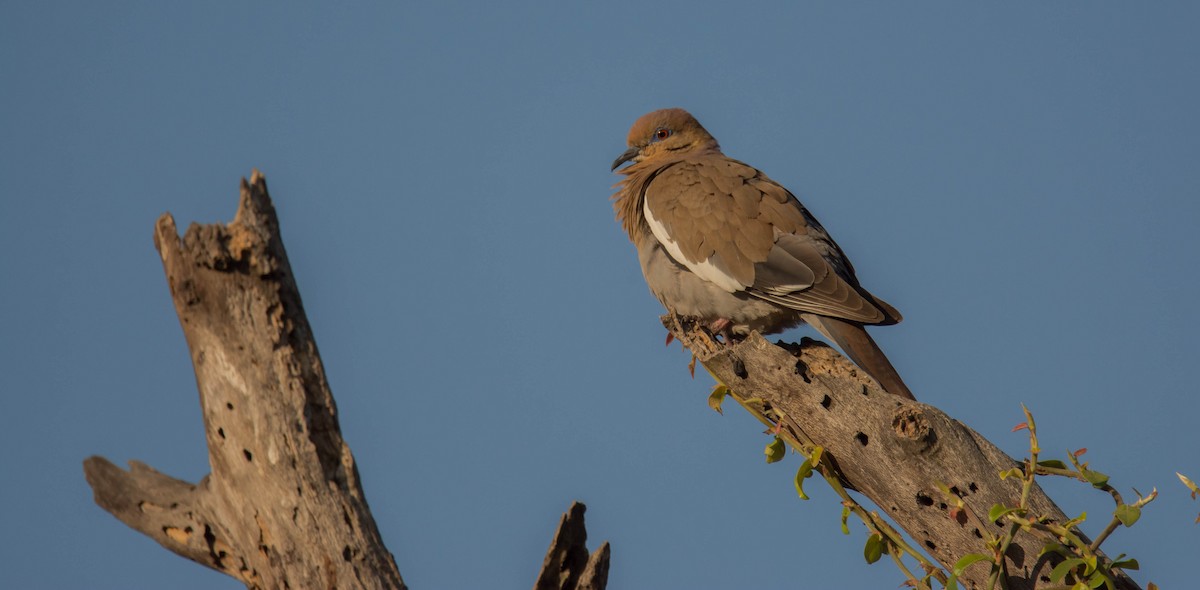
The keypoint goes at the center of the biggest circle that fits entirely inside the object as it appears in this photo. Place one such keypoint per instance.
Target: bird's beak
(629, 154)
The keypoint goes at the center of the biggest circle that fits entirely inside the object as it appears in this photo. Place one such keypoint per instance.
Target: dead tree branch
(893, 451)
(283, 506)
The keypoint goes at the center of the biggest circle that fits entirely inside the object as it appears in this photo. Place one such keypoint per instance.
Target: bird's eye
(661, 133)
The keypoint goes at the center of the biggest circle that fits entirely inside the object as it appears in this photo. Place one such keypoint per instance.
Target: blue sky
(1021, 181)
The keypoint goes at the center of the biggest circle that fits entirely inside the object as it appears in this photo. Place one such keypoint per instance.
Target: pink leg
(721, 327)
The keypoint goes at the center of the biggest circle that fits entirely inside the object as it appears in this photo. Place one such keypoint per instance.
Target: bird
(720, 242)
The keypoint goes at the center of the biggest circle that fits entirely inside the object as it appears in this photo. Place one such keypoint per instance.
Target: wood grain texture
(894, 451)
(283, 506)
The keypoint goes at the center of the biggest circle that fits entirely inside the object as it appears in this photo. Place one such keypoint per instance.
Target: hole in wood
(210, 539)
(246, 452)
(923, 499)
(221, 432)
(739, 369)
(346, 554)
(228, 405)
(930, 545)
(974, 488)
(802, 371)
(825, 401)
(861, 438)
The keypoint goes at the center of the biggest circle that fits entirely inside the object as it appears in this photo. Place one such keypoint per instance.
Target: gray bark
(283, 506)
(892, 450)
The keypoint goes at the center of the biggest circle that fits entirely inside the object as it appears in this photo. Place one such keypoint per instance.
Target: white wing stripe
(708, 270)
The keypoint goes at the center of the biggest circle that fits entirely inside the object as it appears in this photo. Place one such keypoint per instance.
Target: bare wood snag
(283, 506)
(910, 459)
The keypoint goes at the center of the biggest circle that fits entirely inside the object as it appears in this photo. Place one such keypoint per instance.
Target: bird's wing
(731, 225)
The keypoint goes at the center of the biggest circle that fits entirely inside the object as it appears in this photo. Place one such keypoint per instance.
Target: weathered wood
(283, 506)
(567, 565)
(892, 450)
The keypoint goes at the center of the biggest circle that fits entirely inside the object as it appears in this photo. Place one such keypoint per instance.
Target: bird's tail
(854, 341)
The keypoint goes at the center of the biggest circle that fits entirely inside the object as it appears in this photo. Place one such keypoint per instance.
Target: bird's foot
(720, 327)
(721, 330)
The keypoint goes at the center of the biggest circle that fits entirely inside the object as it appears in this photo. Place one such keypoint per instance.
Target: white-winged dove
(720, 242)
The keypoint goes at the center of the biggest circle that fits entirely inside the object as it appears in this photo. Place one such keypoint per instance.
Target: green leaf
(805, 472)
(775, 451)
(1097, 479)
(874, 548)
(1014, 472)
(1053, 547)
(1053, 464)
(1127, 514)
(717, 396)
(1191, 485)
(1127, 564)
(1096, 580)
(816, 455)
(1000, 511)
(1033, 441)
(961, 565)
(1060, 570)
(1074, 522)
(845, 515)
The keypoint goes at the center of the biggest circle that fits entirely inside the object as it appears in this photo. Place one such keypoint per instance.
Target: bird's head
(665, 133)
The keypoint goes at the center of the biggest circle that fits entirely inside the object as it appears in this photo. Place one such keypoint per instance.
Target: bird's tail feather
(854, 341)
